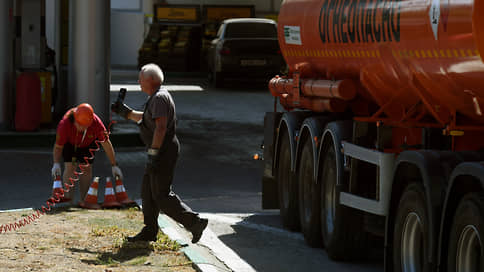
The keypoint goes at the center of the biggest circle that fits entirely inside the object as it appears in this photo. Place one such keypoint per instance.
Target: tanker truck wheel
(309, 198)
(287, 187)
(466, 244)
(411, 237)
(341, 227)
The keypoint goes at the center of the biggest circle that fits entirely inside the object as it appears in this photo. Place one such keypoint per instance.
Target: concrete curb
(202, 260)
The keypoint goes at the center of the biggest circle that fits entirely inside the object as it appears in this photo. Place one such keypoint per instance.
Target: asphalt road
(219, 131)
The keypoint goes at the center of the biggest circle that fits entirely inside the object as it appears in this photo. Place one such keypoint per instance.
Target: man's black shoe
(146, 234)
(198, 228)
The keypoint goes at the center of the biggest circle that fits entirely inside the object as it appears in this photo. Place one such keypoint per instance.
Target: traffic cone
(109, 197)
(58, 191)
(121, 195)
(90, 201)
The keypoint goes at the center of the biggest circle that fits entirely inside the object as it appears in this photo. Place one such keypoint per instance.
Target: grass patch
(138, 261)
(164, 243)
(122, 252)
(95, 239)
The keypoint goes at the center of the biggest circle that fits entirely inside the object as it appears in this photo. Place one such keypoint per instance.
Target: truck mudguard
(269, 183)
(271, 121)
(290, 123)
(337, 131)
(474, 169)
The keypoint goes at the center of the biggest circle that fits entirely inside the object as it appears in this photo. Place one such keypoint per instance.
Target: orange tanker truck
(382, 132)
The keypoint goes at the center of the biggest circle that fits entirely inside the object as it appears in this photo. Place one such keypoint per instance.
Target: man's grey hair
(154, 71)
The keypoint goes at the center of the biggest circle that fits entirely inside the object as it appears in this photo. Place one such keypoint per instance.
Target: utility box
(30, 41)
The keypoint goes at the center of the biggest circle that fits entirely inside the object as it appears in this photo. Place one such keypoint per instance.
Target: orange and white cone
(57, 190)
(121, 195)
(109, 197)
(90, 201)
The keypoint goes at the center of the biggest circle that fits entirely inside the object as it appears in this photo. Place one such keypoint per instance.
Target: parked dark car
(245, 48)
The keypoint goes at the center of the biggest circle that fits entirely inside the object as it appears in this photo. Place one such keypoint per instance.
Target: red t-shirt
(68, 133)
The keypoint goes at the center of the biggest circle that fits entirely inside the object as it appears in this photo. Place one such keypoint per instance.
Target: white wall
(126, 38)
(127, 30)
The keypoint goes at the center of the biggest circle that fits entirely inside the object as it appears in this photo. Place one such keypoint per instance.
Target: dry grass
(71, 239)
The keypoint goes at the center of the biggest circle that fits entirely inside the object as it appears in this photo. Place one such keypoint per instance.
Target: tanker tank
(401, 61)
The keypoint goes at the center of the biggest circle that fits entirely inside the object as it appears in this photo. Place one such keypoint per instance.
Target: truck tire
(411, 237)
(466, 251)
(341, 227)
(287, 187)
(309, 198)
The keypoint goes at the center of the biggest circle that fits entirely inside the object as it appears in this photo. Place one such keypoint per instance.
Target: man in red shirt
(76, 134)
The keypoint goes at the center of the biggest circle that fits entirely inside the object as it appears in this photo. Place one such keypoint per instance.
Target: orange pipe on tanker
(404, 55)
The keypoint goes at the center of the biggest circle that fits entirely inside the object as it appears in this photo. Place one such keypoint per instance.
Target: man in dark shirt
(158, 132)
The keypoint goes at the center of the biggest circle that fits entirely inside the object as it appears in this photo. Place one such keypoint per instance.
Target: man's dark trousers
(156, 190)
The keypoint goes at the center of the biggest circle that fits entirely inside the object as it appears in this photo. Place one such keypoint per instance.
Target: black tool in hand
(121, 95)
(119, 107)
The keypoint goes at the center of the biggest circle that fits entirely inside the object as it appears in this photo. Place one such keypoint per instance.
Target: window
(128, 5)
(250, 30)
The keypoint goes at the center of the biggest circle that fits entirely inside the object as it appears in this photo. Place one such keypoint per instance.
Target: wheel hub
(412, 244)
(469, 250)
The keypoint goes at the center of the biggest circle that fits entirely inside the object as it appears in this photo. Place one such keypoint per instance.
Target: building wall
(126, 38)
(127, 27)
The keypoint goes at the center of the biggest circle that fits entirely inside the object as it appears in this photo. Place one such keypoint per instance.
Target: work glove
(56, 169)
(153, 160)
(121, 109)
(117, 172)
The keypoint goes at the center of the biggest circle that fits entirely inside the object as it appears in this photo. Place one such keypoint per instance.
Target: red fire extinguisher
(28, 110)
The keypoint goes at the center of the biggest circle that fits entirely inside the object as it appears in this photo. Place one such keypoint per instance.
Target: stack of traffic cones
(58, 191)
(109, 197)
(90, 201)
(121, 195)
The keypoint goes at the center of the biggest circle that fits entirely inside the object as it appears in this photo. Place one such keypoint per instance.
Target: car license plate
(252, 62)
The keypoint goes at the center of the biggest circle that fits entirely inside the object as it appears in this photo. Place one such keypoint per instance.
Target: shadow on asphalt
(290, 253)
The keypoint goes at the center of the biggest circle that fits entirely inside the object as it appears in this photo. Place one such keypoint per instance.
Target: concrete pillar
(53, 32)
(89, 69)
(6, 62)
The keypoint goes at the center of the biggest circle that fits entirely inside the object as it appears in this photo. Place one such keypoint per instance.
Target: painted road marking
(238, 219)
(224, 253)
